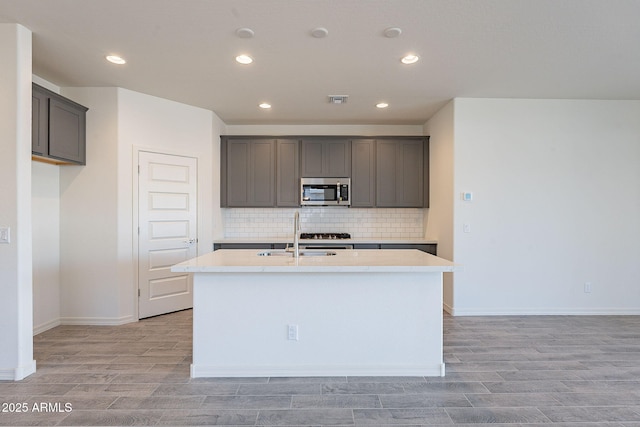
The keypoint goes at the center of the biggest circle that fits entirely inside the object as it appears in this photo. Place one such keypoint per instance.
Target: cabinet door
(366, 246)
(39, 122)
(400, 173)
(262, 173)
(288, 172)
(67, 130)
(326, 158)
(386, 166)
(410, 179)
(337, 158)
(237, 173)
(430, 248)
(312, 159)
(363, 173)
(250, 173)
(217, 246)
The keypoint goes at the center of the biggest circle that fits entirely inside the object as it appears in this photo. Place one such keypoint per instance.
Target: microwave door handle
(338, 192)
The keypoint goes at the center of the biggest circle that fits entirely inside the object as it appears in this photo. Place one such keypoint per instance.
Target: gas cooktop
(325, 236)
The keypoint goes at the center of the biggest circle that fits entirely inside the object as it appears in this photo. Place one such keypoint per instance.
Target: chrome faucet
(296, 235)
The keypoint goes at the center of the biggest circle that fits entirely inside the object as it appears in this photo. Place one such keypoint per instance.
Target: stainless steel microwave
(325, 191)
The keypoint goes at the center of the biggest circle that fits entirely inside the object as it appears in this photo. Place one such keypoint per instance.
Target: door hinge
(138, 293)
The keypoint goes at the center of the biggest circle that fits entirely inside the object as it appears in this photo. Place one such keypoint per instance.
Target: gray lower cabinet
(217, 246)
(326, 157)
(400, 173)
(58, 128)
(424, 247)
(366, 246)
(430, 248)
(248, 177)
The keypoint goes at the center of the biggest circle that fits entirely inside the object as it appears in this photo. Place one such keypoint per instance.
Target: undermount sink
(302, 253)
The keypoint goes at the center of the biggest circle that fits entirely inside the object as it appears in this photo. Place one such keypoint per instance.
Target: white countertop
(345, 260)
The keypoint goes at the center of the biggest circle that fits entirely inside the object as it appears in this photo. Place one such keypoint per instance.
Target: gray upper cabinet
(259, 172)
(330, 157)
(39, 122)
(263, 171)
(288, 173)
(402, 173)
(248, 172)
(58, 128)
(363, 173)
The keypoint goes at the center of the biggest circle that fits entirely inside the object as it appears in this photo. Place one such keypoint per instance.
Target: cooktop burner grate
(325, 236)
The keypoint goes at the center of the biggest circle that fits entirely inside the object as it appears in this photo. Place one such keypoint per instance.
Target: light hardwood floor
(529, 370)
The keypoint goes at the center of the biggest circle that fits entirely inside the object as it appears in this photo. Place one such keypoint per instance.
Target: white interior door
(167, 231)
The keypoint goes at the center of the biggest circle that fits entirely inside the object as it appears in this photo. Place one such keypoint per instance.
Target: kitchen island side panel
(349, 324)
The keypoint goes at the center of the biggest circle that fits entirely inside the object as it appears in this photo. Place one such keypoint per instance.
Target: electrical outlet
(292, 332)
(587, 287)
(466, 228)
(5, 235)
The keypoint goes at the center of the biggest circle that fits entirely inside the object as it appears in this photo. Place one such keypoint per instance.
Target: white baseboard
(208, 371)
(83, 321)
(97, 321)
(543, 312)
(19, 373)
(45, 326)
(446, 307)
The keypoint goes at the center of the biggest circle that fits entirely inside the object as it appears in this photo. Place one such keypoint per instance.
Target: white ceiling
(184, 50)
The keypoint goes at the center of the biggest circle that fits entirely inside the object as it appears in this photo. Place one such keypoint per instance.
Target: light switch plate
(5, 235)
(292, 332)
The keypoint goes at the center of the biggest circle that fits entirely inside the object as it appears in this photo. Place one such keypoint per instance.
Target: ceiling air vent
(338, 99)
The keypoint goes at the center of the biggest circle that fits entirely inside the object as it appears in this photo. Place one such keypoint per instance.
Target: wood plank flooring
(515, 371)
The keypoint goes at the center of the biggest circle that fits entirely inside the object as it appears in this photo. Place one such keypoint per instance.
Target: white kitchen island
(357, 313)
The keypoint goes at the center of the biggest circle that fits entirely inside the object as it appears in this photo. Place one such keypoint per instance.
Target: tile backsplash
(360, 223)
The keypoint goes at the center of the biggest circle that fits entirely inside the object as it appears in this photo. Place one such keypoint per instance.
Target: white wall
(439, 217)
(98, 276)
(88, 222)
(556, 187)
(46, 245)
(156, 124)
(16, 308)
(46, 238)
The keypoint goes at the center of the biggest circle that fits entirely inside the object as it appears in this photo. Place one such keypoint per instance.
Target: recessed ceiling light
(410, 59)
(382, 105)
(392, 32)
(265, 105)
(244, 33)
(244, 59)
(319, 32)
(116, 59)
